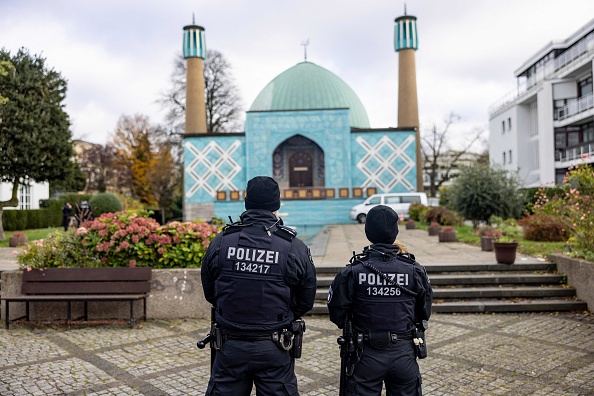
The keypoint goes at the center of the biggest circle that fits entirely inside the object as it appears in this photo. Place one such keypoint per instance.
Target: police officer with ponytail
(261, 280)
(383, 298)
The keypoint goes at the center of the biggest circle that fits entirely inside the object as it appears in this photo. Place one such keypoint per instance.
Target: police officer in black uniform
(260, 278)
(386, 296)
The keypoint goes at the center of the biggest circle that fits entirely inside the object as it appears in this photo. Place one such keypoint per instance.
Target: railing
(575, 153)
(574, 107)
(575, 53)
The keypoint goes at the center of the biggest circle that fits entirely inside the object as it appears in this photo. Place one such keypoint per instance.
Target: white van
(397, 201)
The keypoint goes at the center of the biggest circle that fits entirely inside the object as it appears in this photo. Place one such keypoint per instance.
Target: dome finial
(305, 43)
(404, 8)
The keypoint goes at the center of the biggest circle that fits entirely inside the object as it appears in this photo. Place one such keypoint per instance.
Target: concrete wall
(580, 274)
(175, 293)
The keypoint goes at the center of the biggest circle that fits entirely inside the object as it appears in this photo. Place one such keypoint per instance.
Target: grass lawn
(33, 235)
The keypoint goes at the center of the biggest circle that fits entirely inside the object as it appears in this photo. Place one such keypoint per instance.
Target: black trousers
(395, 366)
(241, 364)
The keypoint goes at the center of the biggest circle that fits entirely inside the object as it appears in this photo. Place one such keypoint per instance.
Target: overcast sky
(118, 55)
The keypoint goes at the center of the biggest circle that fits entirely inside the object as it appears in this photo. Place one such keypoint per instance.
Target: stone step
(460, 293)
(467, 267)
(479, 279)
(481, 306)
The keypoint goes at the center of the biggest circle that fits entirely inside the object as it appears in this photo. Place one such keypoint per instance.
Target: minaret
(406, 43)
(194, 53)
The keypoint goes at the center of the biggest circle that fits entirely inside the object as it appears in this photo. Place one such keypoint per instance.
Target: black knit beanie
(262, 193)
(381, 225)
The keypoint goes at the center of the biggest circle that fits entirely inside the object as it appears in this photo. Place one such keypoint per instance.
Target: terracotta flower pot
(411, 225)
(505, 252)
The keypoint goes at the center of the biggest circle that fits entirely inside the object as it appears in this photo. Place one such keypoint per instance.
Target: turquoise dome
(307, 86)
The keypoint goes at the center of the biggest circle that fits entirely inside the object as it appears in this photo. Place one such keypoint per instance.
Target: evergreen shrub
(104, 203)
(546, 228)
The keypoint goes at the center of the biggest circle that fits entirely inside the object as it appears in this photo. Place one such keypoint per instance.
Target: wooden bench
(82, 285)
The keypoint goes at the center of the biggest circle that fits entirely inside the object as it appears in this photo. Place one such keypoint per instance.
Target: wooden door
(301, 170)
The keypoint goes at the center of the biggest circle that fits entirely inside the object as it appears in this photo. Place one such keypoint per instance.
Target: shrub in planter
(447, 234)
(410, 224)
(487, 239)
(18, 238)
(123, 239)
(434, 228)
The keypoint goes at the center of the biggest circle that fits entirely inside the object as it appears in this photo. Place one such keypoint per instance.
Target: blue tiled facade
(352, 158)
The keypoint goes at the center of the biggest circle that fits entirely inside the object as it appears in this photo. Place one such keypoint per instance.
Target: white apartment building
(547, 123)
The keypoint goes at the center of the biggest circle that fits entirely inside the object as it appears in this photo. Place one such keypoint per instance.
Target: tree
(97, 163)
(34, 128)
(74, 181)
(223, 103)
(439, 157)
(164, 176)
(133, 155)
(481, 191)
(5, 68)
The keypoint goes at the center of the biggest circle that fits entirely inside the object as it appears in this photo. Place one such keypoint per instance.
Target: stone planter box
(447, 236)
(434, 230)
(175, 293)
(411, 225)
(15, 241)
(580, 275)
(487, 244)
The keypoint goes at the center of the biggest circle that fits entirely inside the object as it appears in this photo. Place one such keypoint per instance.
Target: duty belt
(249, 336)
(381, 339)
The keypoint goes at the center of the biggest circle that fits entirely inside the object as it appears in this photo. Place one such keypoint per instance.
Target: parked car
(400, 202)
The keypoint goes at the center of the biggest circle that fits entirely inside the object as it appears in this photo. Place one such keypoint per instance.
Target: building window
(504, 158)
(503, 126)
(509, 124)
(25, 196)
(510, 157)
(585, 86)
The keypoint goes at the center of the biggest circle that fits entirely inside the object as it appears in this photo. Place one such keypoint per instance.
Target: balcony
(575, 153)
(582, 50)
(575, 107)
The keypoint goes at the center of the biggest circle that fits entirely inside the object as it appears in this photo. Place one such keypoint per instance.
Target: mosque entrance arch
(301, 169)
(298, 162)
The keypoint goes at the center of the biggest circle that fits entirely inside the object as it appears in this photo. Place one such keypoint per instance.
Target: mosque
(309, 131)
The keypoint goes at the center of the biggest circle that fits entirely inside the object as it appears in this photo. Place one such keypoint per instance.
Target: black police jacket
(257, 281)
(373, 303)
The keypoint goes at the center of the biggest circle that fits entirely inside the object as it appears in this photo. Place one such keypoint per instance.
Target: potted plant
(18, 238)
(487, 239)
(410, 224)
(434, 228)
(447, 234)
(505, 246)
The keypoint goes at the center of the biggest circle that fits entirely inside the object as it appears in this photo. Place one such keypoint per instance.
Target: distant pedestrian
(66, 215)
(84, 212)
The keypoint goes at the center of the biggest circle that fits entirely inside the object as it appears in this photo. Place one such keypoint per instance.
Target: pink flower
(160, 250)
(135, 239)
(15, 252)
(132, 263)
(125, 245)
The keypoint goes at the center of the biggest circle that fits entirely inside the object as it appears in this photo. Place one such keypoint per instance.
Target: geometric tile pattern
(386, 164)
(212, 169)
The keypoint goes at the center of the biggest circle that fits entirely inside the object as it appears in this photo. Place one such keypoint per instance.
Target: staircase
(478, 288)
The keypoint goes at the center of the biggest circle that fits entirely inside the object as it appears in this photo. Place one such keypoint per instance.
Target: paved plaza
(484, 354)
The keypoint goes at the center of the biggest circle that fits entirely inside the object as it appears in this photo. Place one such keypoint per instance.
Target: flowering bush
(574, 209)
(57, 250)
(123, 239)
(542, 227)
